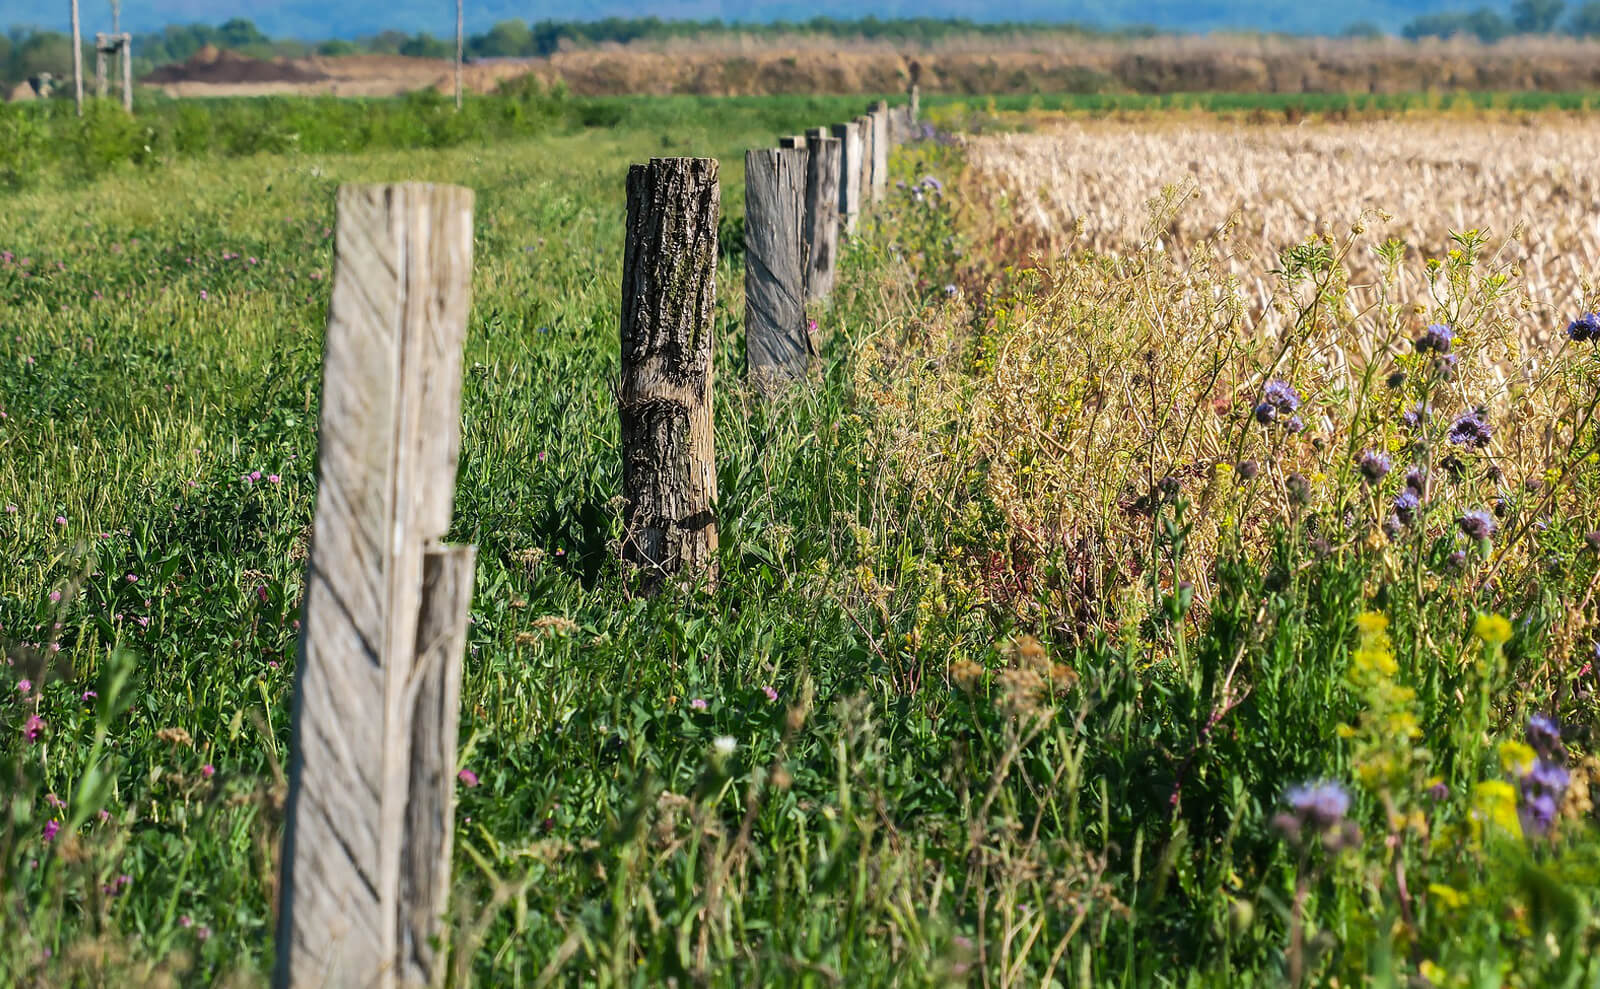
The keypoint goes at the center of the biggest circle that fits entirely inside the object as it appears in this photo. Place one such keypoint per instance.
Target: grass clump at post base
(1062, 631)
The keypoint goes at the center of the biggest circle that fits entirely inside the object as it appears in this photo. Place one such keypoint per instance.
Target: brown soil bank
(1159, 65)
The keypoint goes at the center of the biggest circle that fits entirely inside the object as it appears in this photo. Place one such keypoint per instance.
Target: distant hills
(311, 20)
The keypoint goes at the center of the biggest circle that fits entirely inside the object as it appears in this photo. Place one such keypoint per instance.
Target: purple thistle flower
(1544, 735)
(1373, 464)
(1417, 415)
(1436, 339)
(1266, 414)
(1294, 425)
(1476, 523)
(1471, 429)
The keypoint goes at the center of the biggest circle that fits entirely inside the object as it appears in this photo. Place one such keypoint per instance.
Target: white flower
(724, 745)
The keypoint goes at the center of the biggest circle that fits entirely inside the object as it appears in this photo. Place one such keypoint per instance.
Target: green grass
(889, 819)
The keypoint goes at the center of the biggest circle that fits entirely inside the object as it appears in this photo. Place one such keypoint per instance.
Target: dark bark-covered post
(822, 212)
(669, 289)
(849, 137)
(776, 344)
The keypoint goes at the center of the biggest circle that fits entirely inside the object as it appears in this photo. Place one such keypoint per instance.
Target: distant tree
(240, 33)
(338, 47)
(427, 46)
(1487, 25)
(505, 39)
(1585, 21)
(1536, 16)
(1362, 29)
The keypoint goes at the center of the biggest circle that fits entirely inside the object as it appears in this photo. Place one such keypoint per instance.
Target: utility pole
(458, 56)
(77, 57)
(116, 16)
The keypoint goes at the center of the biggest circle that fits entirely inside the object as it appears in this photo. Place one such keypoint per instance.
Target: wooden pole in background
(880, 150)
(849, 137)
(127, 73)
(100, 85)
(368, 829)
(776, 344)
(77, 57)
(865, 129)
(822, 212)
(459, 51)
(669, 293)
(916, 104)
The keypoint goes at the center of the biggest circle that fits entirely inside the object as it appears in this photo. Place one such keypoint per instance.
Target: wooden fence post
(669, 292)
(865, 129)
(915, 111)
(371, 772)
(849, 137)
(127, 72)
(77, 57)
(100, 66)
(777, 345)
(822, 212)
(880, 150)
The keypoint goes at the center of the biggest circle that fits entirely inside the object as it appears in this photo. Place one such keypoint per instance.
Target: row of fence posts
(370, 809)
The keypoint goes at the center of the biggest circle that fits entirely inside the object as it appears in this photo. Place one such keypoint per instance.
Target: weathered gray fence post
(776, 344)
(77, 57)
(849, 137)
(127, 72)
(669, 292)
(865, 129)
(880, 150)
(822, 212)
(371, 773)
(915, 110)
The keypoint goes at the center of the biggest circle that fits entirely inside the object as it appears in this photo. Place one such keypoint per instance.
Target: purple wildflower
(1373, 464)
(1436, 339)
(772, 695)
(1406, 504)
(1417, 415)
(1281, 395)
(1471, 429)
(1417, 480)
(1544, 735)
(1318, 805)
(1476, 523)
(51, 829)
(468, 778)
(1584, 328)
(699, 704)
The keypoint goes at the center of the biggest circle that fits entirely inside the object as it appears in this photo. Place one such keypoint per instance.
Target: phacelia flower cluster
(1471, 430)
(1278, 405)
(1585, 328)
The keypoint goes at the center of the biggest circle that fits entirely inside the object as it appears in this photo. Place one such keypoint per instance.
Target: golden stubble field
(1241, 193)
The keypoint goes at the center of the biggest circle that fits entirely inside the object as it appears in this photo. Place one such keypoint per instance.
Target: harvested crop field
(806, 65)
(1241, 194)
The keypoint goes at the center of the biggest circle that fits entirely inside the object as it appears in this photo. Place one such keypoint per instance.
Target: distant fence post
(669, 291)
(915, 111)
(880, 149)
(822, 212)
(777, 345)
(100, 51)
(849, 137)
(865, 129)
(126, 41)
(77, 57)
(366, 850)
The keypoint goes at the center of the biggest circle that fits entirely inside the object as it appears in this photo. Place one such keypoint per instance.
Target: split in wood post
(377, 618)
(880, 150)
(849, 137)
(777, 345)
(664, 399)
(822, 214)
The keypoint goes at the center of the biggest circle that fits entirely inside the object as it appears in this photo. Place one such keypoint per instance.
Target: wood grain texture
(880, 150)
(669, 291)
(447, 573)
(777, 347)
(387, 443)
(849, 137)
(822, 214)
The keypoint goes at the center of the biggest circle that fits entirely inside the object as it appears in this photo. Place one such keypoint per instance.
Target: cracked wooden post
(822, 212)
(669, 292)
(849, 137)
(366, 848)
(777, 345)
(880, 150)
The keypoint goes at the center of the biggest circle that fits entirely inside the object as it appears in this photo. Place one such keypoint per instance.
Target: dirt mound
(215, 66)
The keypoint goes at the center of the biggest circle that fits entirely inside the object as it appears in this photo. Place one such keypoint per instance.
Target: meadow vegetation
(1097, 614)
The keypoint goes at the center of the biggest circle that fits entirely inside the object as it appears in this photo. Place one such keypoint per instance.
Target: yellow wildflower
(1446, 896)
(1495, 801)
(1516, 758)
(1493, 629)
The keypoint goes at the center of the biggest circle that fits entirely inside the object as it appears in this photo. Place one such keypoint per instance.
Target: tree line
(1526, 17)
